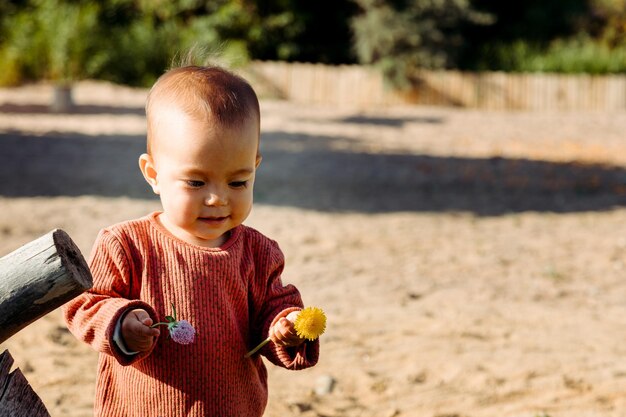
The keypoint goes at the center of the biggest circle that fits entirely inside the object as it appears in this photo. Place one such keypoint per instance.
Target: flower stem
(160, 324)
(256, 349)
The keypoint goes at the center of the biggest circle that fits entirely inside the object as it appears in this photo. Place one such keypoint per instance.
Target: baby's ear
(146, 165)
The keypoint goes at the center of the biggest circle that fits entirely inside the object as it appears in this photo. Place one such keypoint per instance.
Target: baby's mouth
(213, 219)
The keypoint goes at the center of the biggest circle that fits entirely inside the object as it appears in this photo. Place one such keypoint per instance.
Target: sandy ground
(470, 263)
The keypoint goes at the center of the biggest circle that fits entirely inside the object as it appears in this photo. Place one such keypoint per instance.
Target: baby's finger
(275, 334)
(138, 330)
(141, 315)
(292, 339)
(146, 331)
(283, 333)
(293, 316)
(288, 328)
(152, 331)
(144, 322)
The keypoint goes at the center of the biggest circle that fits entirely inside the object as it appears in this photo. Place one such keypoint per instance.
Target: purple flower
(182, 332)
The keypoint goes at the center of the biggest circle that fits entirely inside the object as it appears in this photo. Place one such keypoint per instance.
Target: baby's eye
(194, 183)
(238, 184)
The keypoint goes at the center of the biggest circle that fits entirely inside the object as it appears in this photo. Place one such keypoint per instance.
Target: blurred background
(133, 41)
(447, 179)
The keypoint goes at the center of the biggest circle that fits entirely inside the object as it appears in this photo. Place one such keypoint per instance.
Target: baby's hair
(204, 92)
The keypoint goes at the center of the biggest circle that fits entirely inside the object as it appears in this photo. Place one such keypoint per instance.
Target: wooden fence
(362, 87)
(35, 279)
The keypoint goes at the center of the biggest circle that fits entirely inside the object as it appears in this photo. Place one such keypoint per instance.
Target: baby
(196, 255)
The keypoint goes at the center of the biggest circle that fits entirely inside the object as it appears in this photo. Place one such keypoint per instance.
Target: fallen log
(39, 277)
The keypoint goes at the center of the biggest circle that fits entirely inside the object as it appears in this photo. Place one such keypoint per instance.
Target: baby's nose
(215, 199)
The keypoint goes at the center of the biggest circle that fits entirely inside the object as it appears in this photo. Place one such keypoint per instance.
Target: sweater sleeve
(92, 316)
(279, 300)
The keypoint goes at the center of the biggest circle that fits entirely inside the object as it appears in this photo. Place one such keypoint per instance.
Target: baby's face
(205, 175)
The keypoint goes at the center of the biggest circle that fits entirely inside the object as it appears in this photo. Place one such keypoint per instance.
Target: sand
(471, 263)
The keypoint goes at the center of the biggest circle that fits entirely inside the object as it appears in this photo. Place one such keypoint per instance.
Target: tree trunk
(62, 101)
(39, 277)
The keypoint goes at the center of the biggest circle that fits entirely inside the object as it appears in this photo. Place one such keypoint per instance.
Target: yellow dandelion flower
(310, 323)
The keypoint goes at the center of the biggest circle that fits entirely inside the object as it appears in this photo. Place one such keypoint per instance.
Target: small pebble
(324, 385)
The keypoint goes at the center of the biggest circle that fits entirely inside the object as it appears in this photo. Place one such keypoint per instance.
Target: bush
(51, 40)
(133, 42)
(401, 37)
(579, 55)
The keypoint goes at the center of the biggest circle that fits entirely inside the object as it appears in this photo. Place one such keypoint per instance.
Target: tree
(401, 36)
(607, 21)
(134, 41)
(316, 31)
(565, 36)
(54, 40)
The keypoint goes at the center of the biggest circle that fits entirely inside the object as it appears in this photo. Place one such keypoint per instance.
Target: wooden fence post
(39, 277)
(17, 398)
(34, 280)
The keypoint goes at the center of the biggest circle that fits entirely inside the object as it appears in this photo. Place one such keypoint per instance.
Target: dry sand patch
(470, 263)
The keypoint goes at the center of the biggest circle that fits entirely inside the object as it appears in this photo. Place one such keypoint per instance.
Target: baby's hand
(136, 331)
(283, 332)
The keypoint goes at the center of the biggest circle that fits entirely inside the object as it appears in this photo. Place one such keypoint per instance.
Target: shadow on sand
(13, 108)
(310, 172)
(389, 121)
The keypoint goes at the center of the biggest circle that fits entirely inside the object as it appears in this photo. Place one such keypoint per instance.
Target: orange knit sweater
(231, 295)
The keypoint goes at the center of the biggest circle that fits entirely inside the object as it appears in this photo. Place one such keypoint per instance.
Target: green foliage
(137, 54)
(529, 20)
(310, 31)
(148, 36)
(565, 36)
(609, 18)
(51, 39)
(577, 55)
(134, 41)
(400, 37)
